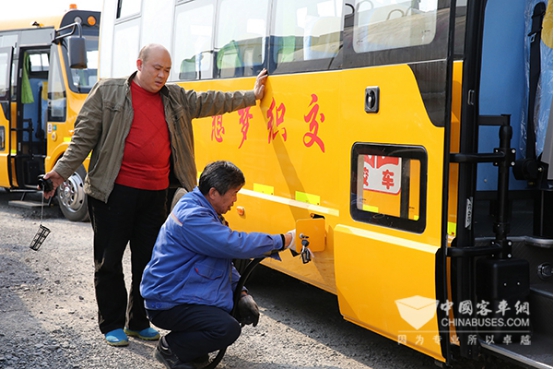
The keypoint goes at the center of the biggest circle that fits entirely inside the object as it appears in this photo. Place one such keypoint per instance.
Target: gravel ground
(48, 312)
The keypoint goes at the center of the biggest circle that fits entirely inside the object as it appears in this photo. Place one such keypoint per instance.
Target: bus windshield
(82, 80)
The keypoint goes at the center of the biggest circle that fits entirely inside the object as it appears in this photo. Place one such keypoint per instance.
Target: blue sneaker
(117, 337)
(147, 334)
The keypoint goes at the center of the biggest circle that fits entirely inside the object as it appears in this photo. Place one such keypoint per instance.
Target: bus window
(125, 48)
(193, 40)
(56, 90)
(388, 186)
(82, 80)
(4, 75)
(10, 40)
(127, 8)
(391, 24)
(39, 62)
(312, 33)
(239, 40)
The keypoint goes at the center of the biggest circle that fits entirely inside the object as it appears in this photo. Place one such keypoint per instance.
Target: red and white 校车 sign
(382, 174)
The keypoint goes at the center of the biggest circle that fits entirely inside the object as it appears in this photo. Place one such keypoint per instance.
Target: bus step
(28, 204)
(536, 353)
(540, 304)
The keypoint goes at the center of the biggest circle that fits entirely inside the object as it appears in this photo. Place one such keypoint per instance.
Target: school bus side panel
(383, 272)
(289, 147)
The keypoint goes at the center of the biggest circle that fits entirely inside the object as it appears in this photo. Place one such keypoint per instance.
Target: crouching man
(188, 284)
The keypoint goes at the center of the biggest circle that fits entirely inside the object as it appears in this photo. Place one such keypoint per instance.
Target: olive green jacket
(105, 120)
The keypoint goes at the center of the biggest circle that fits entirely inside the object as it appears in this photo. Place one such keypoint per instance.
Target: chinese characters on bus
(276, 117)
(244, 121)
(217, 128)
(311, 136)
(276, 124)
(382, 174)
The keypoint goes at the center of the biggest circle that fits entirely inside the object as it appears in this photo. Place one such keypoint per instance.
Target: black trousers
(196, 329)
(131, 216)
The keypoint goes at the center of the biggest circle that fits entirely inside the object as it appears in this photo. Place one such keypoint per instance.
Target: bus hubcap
(71, 193)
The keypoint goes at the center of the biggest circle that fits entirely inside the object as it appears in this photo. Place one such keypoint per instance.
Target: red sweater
(147, 147)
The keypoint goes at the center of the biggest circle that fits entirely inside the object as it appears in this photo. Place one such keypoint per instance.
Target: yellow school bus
(410, 141)
(48, 64)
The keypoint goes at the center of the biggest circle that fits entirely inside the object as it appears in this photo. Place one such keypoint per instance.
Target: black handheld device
(45, 185)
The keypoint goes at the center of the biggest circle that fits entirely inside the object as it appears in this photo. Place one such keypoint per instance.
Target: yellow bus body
(287, 181)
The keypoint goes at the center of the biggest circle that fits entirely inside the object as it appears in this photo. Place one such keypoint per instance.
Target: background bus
(395, 135)
(42, 89)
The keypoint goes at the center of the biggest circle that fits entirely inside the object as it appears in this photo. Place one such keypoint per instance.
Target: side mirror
(77, 52)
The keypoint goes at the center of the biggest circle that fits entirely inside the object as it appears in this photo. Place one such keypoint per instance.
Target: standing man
(188, 284)
(139, 131)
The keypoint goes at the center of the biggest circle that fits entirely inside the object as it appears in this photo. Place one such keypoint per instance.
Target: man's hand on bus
(259, 86)
(56, 181)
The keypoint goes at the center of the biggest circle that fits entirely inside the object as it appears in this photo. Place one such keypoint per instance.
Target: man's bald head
(147, 50)
(154, 65)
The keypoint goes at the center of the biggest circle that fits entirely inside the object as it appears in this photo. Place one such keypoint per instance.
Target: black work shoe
(164, 355)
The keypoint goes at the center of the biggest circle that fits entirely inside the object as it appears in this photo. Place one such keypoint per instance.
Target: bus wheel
(72, 198)
(176, 197)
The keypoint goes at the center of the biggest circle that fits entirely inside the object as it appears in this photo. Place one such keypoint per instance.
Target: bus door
(395, 96)
(32, 115)
(6, 56)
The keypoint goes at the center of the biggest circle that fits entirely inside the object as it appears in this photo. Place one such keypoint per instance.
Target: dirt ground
(48, 312)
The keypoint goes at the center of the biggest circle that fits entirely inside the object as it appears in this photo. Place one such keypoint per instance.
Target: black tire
(71, 197)
(176, 197)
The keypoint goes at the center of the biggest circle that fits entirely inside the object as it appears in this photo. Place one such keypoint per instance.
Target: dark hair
(221, 175)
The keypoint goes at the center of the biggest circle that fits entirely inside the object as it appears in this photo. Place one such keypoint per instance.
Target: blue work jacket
(192, 258)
